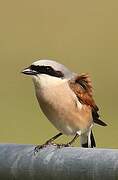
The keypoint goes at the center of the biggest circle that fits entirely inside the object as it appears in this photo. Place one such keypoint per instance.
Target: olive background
(83, 35)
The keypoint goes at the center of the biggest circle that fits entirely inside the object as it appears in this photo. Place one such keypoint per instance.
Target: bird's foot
(62, 145)
(39, 147)
(48, 143)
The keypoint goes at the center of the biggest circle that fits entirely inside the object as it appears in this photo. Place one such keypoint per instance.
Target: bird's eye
(52, 72)
(48, 68)
(35, 68)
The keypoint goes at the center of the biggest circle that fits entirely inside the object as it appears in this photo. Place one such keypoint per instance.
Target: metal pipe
(18, 162)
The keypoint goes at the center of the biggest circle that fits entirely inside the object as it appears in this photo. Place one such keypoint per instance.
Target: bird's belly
(60, 118)
(64, 113)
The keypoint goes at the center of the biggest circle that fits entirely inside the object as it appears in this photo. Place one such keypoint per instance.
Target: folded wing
(82, 87)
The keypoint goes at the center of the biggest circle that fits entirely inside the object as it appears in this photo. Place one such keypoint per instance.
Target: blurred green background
(81, 34)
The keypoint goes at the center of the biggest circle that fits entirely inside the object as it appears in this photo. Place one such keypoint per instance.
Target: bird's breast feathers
(62, 107)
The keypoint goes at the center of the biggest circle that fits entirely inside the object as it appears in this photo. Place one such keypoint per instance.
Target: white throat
(44, 81)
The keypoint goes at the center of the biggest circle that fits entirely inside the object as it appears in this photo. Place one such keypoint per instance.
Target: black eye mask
(47, 70)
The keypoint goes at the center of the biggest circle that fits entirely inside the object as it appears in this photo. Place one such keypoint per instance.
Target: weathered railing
(18, 162)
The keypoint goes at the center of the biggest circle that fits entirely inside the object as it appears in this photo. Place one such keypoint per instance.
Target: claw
(48, 143)
(63, 145)
(39, 147)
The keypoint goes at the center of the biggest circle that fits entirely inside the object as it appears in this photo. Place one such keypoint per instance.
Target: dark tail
(96, 118)
(85, 143)
(100, 122)
(93, 144)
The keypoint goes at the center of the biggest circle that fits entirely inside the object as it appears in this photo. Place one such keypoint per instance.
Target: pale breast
(63, 109)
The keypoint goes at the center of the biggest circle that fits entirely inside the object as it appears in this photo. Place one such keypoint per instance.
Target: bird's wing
(82, 87)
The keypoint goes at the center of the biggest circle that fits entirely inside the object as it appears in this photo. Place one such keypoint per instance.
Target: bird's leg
(50, 141)
(69, 143)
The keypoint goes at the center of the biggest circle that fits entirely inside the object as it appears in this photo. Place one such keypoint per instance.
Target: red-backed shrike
(66, 100)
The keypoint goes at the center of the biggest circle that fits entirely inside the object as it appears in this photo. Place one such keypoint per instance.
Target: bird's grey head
(48, 67)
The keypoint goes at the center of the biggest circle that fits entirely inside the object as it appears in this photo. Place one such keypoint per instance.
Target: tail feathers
(93, 143)
(85, 145)
(96, 117)
(100, 122)
(86, 141)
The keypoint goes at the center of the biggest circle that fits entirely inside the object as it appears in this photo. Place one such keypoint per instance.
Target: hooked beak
(29, 71)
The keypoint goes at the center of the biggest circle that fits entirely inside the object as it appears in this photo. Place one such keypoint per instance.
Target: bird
(66, 99)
